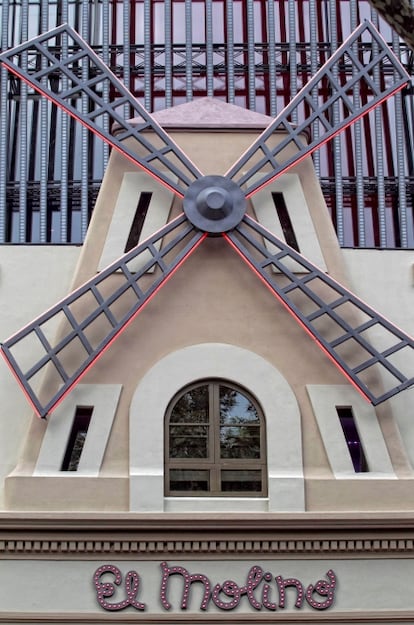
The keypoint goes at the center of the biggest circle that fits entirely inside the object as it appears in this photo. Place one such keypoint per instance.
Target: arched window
(215, 442)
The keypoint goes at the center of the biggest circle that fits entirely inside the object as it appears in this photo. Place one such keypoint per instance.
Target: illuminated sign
(262, 589)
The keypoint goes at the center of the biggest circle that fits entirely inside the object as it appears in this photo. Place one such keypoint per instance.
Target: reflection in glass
(189, 480)
(239, 481)
(239, 425)
(189, 439)
(192, 407)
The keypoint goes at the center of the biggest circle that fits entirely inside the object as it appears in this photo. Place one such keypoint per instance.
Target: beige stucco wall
(32, 278)
(385, 279)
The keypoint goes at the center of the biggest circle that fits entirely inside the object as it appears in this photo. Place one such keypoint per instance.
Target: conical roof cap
(209, 113)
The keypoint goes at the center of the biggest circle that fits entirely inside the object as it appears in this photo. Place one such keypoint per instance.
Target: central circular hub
(214, 198)
(214, 204)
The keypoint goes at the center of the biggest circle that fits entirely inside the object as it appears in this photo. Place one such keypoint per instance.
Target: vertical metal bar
(105, 58)
(126, 43)
(358, 146)
(283, 23)
(168, 54)
(44, 136)
(313, 36)
(405, 222)
(336, 143)
(379, 151)
(34, 106)
(74, 146)
(4, 125)
(251, 69)
(230, 51)
(13, 151)
(147, 55)
(272, 56)
(209, 48)
(24, 233)
(292, 53)
(188, 51)
(84, 131)
(64, 143)
(95, 10)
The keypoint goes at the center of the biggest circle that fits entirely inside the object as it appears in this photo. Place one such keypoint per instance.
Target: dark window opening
(284, 218)
(352, 438)
(77, 438)
(138, 221)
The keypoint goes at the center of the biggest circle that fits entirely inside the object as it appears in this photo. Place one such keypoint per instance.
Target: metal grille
(254, 53)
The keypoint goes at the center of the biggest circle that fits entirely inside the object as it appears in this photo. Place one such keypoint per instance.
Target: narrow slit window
(285, 221)
(77, 438)
(138, 221)
(352, 438)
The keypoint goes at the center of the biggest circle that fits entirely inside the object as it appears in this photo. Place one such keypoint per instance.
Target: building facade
(212, 464)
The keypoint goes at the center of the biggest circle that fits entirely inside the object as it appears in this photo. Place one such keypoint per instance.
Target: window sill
(216, 504)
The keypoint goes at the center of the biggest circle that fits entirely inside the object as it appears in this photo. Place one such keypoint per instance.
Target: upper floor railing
(253, 53)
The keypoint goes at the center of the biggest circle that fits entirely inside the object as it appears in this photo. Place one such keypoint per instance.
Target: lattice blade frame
(137, 289)
(269, 161)
(83, 74)
(322, 307)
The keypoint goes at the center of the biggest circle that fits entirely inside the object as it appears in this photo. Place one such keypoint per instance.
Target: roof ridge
(210, 113)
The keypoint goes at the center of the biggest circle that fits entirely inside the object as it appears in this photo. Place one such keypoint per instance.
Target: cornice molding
(124, 521)
(123, 536)
(161, 549)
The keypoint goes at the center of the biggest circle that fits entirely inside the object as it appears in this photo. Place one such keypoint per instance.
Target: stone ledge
(166, 548)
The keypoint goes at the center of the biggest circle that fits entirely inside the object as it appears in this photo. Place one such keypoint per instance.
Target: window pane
(352, 438)
(77, 438)
(188, 441)
(189, 480)
(192, 407)
(239, 481)
(239, 425)
(239, 442)
(214, 442)
(235, 408)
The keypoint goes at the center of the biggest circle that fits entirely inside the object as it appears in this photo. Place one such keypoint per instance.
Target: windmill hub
(214, 204)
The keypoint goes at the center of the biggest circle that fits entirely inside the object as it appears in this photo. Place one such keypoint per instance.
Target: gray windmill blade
(73, 334)
(363, 344)
(65, 80)
(264, 161)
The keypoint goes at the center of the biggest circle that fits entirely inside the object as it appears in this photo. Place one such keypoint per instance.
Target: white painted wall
(369, 585)
(32, 278)
(385, 280)
(283, 429)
